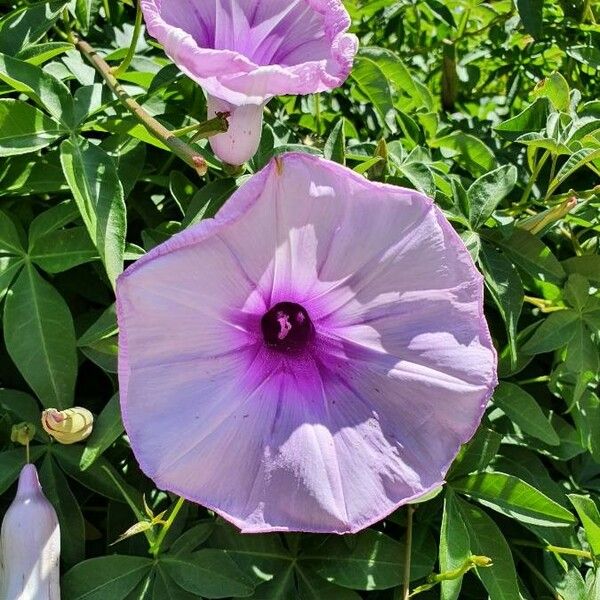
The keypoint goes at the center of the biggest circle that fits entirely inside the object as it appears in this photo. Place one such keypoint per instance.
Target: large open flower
(310, 359)
(244, 52)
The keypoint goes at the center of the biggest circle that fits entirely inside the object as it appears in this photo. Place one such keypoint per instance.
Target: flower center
(287, 327)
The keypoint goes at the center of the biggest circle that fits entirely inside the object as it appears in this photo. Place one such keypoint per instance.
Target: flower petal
(365, 418)
(247, 52)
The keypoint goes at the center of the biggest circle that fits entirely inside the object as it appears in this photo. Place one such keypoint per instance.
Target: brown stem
(179, 147)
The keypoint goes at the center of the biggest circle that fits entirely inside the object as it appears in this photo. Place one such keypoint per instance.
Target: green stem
(569, 551)
(106, 6)
(122, 68)
(184, 151)
(540, 379)
(155, 549)
(551, 178)
(533, 178)
(318, 113)
(407, 556)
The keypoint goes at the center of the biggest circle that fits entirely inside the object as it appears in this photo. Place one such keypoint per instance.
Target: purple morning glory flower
(310, 359)
(244, 52)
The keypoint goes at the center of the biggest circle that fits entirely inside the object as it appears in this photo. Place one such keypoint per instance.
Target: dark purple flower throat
(287, 327)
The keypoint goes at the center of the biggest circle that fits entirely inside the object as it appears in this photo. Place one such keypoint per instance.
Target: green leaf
(477, 454)
(105, 577)
(556, 331)
(468, 150)
(209, 573)
(369, 560)
(576, 292)
(19, 405)
(531, 119)
(93, 179)
(12, 461)
(486, 539)
(43, 88)
(374, 84)
(590, 517)
(530, 254)
(399, 76)
(194, 537)
(575, 162)
(56, 488)
(588, 266)
(40, 338)
(9, 269)
(582, 352)
(208, 200)
(10, 241)
(105, 327)
(24, 128)
(41, 53)
(107, 428)
(504, 285)
(455, 546)
(556, 89)
(83, 12)
(165, 588)
(23, 175)
(531, 13)
(62, 250)
(514, 498)
(313, 587)
(586, 55)
(25, 26)
(99, 477)
(488, 191)
(51, 220)
(526, 413)
(335, 145)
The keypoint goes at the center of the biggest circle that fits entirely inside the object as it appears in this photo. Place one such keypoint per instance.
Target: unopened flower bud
(68, 426)
(481, 561)
(22, 433)
(30, 544)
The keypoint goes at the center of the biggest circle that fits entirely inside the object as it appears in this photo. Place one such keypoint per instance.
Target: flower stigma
(287, 327)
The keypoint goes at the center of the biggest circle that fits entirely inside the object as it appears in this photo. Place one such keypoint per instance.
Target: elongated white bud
(68, 426)
(30, 544)
(240, 142)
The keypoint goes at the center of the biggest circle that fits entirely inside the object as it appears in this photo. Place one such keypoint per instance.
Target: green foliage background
(493, 109)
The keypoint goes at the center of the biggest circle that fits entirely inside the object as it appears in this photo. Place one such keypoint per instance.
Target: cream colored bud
(68, 426)
(30, 544)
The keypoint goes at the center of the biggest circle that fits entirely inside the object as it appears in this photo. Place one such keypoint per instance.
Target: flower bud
(240, 142)
(68, 426)
(30, 544)
(22, 433)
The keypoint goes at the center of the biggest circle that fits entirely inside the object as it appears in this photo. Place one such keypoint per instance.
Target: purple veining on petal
(326, 429)
(245, 52)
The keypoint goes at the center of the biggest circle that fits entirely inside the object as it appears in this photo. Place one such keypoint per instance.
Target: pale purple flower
(244, 52)
(310, 359)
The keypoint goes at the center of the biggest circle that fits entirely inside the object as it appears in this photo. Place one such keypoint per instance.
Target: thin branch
(184, 151)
